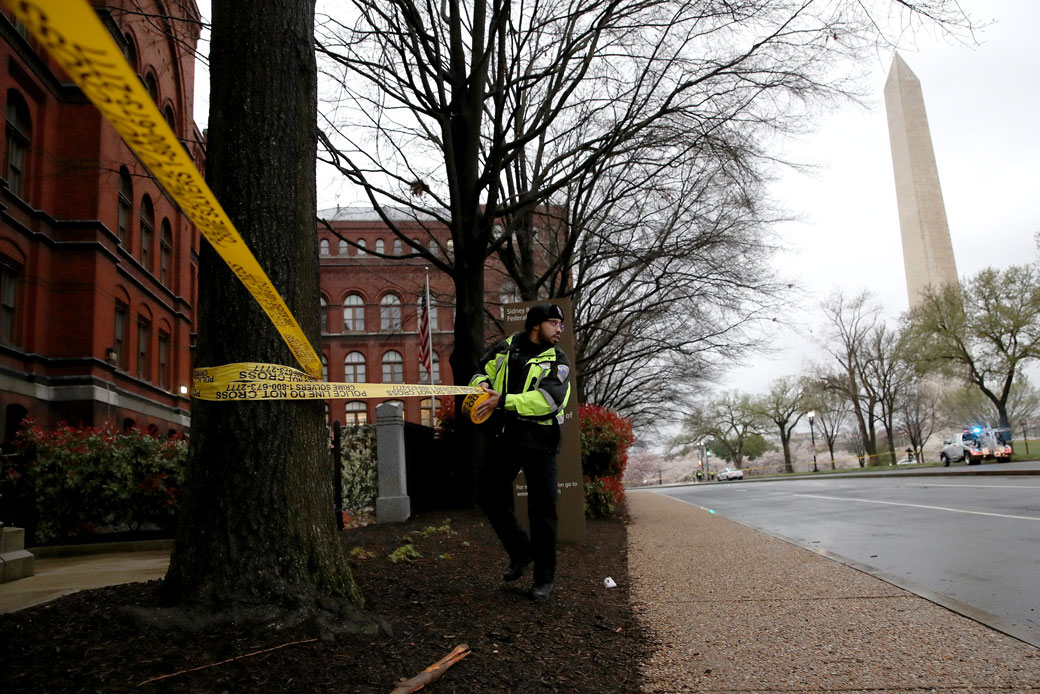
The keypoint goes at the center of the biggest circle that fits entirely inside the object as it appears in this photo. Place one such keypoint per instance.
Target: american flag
(424, 329)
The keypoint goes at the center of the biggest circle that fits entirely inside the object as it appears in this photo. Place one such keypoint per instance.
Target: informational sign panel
(570, 503)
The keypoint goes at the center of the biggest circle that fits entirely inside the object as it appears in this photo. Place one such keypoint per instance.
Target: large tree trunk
(257, 526)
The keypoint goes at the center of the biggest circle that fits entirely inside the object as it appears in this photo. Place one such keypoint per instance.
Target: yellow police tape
(78, 41)
(253, 381)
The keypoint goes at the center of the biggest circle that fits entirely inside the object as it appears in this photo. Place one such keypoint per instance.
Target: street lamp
(812, 433)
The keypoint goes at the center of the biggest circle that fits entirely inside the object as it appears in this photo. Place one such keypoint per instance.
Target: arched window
(126, 206)
(121, 337)
(323, 247)
(10, 283)
(344, 249)
(380, 248)
(165, 252)
(450, 248)
(354, 368)
(324, 368)
(433, 246)
(147, 232)
(19, 137)
(170, 119)
(323, 314)
(363, 244)
(152, 85)
(398, 248)
(356, 413)
(164, 360)
(390, 313)
(393, 367)
(353, 314)
(130, 51)
(424, 414)
(144, 348)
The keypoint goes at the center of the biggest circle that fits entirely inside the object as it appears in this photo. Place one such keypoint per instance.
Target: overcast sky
(982, 102)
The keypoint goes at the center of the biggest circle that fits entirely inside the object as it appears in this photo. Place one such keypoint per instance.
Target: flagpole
(429, 348)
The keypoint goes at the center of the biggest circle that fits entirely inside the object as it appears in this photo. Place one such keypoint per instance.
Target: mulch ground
(584, 638)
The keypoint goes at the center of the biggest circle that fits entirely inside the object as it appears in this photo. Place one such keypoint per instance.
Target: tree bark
(257, 525)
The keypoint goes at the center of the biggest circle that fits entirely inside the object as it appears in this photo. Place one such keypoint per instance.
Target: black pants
(501, 466)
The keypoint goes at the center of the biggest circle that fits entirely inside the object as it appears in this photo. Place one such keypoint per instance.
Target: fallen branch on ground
(432, 673)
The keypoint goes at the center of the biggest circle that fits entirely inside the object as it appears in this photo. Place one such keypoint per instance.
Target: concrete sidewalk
(61, 575)
(733, 609)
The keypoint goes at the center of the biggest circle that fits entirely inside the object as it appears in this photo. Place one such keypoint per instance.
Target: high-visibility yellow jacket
(534, 388)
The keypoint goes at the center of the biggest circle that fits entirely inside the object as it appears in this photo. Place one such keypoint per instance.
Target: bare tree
(832, 412)
(919, 413)
(784, 405)
(850, 323)
(886, 374)
(480, 113)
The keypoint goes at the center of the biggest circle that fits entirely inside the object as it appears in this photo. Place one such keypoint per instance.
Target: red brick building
(370, 306)
(97, 263)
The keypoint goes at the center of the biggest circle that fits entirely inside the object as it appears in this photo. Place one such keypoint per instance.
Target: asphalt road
(971, 544)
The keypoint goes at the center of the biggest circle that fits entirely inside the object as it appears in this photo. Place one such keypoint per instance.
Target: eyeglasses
(556, 323)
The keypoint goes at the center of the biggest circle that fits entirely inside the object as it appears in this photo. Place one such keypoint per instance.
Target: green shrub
(360, 469)
(92, 479)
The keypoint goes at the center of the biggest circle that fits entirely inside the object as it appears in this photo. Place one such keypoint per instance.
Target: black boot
(515, 569)
(541, 591)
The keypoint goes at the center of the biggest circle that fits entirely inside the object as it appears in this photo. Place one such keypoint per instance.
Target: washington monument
(927, 251)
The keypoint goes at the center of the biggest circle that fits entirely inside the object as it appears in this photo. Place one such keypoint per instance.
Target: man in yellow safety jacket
(526, 375)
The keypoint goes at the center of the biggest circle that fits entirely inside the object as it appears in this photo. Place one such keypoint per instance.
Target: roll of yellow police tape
(469, 406)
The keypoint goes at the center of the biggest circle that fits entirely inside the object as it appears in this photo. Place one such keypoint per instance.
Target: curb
(47, 552)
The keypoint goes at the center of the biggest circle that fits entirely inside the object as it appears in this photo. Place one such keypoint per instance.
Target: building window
(323, 314)
(10, 277)
(126, 206)
(170, 119)
(323, 247)
(165, 252)
(343, 248)
(354, 368)
(424, 413)
(130, 51)
(398, 249)
(144, 343)
(121, 338)
(164, 361)
(380, 248)
(354, 314)
(147, 232)
(324, 368)
(362, 244)
(393, 367)
(433, 246)
(424, 375)
(19, 136)
(152, 86)
(356, 413)
(390, 313)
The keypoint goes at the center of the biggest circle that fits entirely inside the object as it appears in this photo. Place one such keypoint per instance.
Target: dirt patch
(585, 637)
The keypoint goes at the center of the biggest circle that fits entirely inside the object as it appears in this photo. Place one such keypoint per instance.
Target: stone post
(393, 504)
